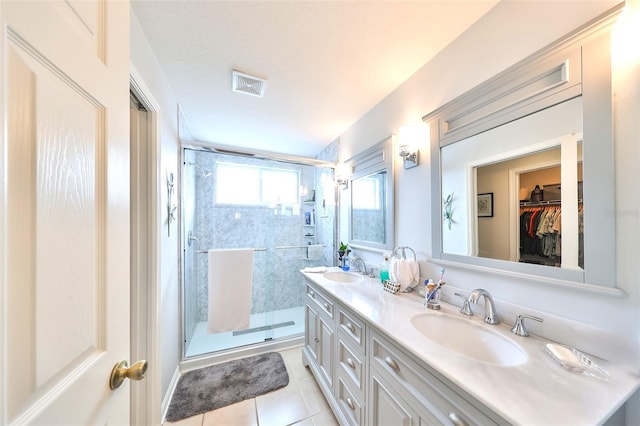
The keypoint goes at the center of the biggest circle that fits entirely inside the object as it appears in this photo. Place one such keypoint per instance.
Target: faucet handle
(466, 306)
(519, 328)
(372, 273)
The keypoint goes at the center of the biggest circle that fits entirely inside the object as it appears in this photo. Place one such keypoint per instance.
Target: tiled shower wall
(277, 282)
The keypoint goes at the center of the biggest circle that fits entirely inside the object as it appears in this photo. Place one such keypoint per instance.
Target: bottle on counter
(384, 268)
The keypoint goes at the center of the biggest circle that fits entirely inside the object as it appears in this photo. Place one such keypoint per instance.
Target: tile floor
(300, 403)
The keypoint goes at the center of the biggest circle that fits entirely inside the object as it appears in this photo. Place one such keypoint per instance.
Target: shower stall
(284, 211)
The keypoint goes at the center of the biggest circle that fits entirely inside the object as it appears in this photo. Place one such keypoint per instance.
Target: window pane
(256, 186)
(279, 186)
(237, 184)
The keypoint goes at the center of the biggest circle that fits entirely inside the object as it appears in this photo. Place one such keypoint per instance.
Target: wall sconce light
(342, 182)
(342, 176)
(410, 137)
(409, 155)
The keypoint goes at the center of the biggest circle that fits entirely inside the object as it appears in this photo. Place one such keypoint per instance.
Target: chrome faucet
(354, 261)
(490, 315)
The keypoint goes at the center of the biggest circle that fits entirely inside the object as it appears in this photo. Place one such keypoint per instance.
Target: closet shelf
(542, 203)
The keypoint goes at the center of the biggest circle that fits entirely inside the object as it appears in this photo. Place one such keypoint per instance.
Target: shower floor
(203, 342)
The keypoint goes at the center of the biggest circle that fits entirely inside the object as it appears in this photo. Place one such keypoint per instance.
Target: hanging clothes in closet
(541, 235)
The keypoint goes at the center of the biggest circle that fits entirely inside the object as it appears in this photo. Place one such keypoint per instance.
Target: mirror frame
(378, 158)
(577, 65)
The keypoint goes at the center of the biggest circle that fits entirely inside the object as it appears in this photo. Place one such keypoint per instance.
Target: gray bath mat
(220, 385)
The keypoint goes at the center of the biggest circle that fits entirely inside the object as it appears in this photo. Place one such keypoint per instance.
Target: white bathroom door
(64, 208)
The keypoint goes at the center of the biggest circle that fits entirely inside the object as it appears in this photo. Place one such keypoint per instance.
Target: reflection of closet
(541, 233)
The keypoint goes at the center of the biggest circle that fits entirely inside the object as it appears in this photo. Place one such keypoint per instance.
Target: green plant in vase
(342, 250)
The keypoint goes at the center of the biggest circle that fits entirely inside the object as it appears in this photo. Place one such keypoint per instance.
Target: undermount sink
(343, 277)
(468, 339)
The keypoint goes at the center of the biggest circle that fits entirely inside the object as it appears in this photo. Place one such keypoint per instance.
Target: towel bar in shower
(207, 251)
(291, 247)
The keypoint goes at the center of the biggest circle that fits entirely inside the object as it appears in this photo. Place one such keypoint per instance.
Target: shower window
(258, 186)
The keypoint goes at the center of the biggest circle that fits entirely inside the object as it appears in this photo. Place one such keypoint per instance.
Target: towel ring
(403, 253)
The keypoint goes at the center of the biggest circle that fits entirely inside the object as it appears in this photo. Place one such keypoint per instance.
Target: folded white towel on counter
(404, 271)
(315, 269)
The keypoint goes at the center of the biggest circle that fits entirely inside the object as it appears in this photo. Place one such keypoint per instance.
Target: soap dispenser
(384, 268)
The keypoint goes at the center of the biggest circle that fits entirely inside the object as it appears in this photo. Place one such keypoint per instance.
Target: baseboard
(167, 396)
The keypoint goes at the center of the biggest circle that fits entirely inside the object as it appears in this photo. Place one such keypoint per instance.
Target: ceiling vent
(248, 84)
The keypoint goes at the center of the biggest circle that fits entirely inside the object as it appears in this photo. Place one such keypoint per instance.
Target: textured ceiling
(326, 62)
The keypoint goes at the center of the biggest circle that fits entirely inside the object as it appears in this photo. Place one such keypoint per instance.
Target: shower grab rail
(292, 247)
(207, 251)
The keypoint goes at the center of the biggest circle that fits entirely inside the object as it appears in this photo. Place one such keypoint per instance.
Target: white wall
(508, 33)
(144, 61)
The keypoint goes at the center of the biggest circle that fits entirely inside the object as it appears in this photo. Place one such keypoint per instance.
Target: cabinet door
(387, 407)
(311, 338)
(326, 349)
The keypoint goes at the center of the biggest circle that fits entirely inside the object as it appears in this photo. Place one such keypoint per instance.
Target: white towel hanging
(230, 282)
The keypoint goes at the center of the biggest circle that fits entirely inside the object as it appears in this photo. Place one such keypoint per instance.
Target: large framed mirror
(516, 195)
(370, 198)
(523, 175)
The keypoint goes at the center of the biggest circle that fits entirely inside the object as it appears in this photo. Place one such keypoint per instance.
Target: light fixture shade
(411, 136)
(342, 176)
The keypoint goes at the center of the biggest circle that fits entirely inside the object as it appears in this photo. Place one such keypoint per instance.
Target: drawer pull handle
(350, 363)
(312, 294)
(391, 363)
(351, 328)
(317, 340)
(326, 306)
(350, 403)
(456, 420)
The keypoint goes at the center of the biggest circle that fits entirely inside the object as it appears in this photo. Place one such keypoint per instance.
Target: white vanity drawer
(351, 365)
(436, 396)
(350, 405)
(352, 327)
(323, 303)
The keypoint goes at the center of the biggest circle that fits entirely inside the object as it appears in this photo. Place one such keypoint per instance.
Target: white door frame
(146, 329)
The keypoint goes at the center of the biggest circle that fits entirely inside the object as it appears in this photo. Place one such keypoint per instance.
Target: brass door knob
(122, 371)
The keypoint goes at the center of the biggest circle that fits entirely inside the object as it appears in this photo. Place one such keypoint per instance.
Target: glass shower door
(237, 202)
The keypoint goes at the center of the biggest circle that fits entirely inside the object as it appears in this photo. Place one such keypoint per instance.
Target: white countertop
(538, 392)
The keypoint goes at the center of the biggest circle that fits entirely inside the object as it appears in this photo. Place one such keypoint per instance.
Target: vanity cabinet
(387, 406)
(397, 376)
(320, 333)
(369, 380)
(351, 365)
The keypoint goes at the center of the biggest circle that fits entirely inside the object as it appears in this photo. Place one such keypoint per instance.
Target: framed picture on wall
(485, 204)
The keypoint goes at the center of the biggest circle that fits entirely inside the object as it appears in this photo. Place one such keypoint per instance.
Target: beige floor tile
(293, 357)
(242, 413)
(281, 407)
(189, 421)
(305, 422)
(313, 396)
(326, 418)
